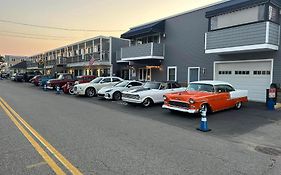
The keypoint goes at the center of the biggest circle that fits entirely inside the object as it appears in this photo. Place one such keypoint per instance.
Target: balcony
(262, 36)
(142, 52)
(79, 60)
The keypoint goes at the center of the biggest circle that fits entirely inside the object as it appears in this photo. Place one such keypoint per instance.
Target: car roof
(212, 82)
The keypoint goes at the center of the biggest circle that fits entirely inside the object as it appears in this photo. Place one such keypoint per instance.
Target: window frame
(168, 73)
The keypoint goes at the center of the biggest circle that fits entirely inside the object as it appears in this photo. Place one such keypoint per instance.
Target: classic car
(151, 92)
(115, 92)
(68, 87)
(29, 75)
(90, 89)
(207, 96)
(44, 79)
(13, 76)
(35, 80)
(19, 77)
(60, 81)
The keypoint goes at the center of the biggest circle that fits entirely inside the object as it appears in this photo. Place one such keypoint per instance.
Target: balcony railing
(260, 36)
(143, 51)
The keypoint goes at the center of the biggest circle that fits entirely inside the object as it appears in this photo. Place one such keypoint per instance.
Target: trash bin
(271, 96)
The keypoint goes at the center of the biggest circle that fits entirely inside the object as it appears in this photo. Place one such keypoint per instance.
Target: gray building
(75, 58)
(235, 41)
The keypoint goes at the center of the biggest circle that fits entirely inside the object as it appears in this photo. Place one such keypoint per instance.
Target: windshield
(152, 85)
(200, 87)
(96, 80)
(122, 84)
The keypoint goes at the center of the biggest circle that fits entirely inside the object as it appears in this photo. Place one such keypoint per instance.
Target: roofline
(182, 13)
(76, 43)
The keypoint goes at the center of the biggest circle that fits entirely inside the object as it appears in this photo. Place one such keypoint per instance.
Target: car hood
(186, 95)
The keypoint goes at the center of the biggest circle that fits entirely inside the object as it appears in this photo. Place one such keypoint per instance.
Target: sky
(109, 17)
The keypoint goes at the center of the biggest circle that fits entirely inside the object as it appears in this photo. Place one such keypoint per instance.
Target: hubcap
(146, 102)
(204, 108)
(117, 96)
(238, 105)
(90, 92)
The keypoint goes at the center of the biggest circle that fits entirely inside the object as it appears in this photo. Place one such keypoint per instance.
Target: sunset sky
(73, 14)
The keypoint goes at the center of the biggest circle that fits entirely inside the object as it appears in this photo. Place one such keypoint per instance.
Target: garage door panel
(252, 76)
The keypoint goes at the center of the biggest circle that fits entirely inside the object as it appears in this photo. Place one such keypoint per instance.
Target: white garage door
(254, 76)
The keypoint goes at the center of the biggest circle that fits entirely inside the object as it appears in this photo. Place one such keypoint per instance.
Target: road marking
(57, 154)
(37, 147)
(36, 165)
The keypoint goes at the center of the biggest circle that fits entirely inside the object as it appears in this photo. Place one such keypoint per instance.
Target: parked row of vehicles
(208, 96)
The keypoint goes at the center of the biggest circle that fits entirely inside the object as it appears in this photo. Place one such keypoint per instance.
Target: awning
(156, 27)
(233, 5)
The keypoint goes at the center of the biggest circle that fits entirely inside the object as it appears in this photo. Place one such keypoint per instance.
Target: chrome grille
(130, 96)
(178, 104)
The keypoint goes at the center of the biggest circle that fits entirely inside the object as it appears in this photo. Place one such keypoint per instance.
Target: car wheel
(238, 105)
(147, 102)
(71, 91)
(91, 92)
(117, 96)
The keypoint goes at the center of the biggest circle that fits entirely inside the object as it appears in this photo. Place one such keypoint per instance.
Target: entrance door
(193, 74)
(144, 74)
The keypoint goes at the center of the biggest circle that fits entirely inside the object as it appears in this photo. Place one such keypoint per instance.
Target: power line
(40, 35)
(30, 37)
(57, 28)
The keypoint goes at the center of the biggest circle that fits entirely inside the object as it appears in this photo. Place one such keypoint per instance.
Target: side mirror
(129, 86)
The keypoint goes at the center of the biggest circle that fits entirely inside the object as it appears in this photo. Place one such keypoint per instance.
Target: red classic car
(208, 96)
(35, 80)
(60, 81)
(68, 87)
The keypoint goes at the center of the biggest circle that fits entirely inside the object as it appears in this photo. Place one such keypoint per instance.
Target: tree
(2, 58)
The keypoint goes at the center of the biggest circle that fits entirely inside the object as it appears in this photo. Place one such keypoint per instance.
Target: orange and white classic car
(207, 96)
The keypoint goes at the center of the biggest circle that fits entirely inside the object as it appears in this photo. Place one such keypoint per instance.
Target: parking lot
(108, 137)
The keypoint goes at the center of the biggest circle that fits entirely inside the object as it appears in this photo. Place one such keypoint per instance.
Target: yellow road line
(37, 147)
(57, 154)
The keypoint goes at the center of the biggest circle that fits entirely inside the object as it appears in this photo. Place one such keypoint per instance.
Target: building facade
(94, 56)
(237, 41)
(11, 60)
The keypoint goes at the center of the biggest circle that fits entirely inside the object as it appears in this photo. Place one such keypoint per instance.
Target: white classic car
(90, 89)
(115, 92)
(151, 92)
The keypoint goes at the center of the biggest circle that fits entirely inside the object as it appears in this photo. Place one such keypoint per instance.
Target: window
(172, 73)
(242, 72)
(106, 80)
(135, 84)
(115, 80)
(244, 16)
(225, 72)
(260, 72)
(224, 88)
(175, 85)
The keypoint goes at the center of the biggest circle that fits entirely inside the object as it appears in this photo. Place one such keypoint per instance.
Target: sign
(272, 93)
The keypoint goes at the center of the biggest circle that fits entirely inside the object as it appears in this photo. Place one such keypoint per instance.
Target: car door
(104, 83)
(221, 98)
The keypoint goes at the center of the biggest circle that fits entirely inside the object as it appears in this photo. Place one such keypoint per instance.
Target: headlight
(191, 101)
(164, 97)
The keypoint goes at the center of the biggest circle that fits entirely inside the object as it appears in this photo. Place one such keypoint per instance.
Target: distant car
(29, 75)
(151, 92)
(5, 75)
(19, 77)
(205, 96)
(90, 89)
(35, 80)
(13, 76)
(44, 79)
(60, 81)
(115, 92)
(68, 87)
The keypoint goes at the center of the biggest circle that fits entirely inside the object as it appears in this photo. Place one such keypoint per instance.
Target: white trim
(206, 41)
(176, 73)
(243, 61)
(243, 48)
(267, 33)
(188, 72)
(121, 61)
(144, 76)
(279, 35)
(143, 58)
(110, 56)
(151, 49)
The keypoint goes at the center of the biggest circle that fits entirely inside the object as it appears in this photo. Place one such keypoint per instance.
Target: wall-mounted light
(203, 71)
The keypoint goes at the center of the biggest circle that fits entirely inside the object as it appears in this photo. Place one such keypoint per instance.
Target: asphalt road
(104, 137)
